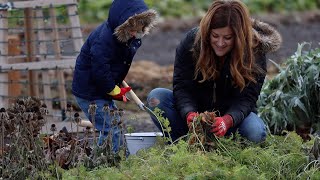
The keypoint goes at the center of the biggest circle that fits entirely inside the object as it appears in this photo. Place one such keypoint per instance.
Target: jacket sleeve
(245, 102)
(183, 77)
(102, 51)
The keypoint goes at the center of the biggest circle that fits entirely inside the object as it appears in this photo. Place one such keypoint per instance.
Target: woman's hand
(221, 125)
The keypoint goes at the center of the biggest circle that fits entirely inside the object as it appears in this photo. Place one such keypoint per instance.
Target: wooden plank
(41, 3)
(13, 49)
(47, 94)
(57, 52)
(22, 58)
(3, 59)
(75, 32)
(29, 36)
(41, 65)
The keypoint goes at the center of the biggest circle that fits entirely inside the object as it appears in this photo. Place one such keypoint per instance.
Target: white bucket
(137, 141)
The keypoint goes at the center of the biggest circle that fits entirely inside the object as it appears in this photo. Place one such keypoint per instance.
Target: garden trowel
(140, 104)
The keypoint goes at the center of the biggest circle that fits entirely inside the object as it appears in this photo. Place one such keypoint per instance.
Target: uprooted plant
(199, 135)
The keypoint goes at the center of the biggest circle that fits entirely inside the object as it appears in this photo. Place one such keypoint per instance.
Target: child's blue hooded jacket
(106, 56)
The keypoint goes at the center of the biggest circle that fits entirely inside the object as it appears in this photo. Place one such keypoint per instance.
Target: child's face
(137, 31)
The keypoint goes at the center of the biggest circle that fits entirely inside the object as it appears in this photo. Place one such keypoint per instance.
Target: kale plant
(291, 100)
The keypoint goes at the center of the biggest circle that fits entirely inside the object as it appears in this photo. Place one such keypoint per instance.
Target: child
(105, 59)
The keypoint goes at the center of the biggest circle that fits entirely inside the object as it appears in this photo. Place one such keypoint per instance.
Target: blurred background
(297, 21)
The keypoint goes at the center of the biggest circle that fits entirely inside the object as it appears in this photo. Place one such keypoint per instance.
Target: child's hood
(125, 14)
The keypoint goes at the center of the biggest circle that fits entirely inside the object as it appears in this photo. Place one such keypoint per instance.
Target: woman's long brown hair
(224, 13)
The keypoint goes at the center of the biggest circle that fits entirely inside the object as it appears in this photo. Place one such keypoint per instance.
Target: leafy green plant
(97, 10)
(165, 125)
(291, 100)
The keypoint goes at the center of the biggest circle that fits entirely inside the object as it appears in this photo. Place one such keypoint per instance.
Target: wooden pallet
(42, 62)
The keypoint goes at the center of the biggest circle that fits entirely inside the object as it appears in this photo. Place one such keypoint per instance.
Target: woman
(219, 66)
(105, 59)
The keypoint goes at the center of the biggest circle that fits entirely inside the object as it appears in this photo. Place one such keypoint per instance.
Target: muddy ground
(153, 62)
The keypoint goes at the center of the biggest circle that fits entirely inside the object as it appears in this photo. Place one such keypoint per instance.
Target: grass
(279, 157)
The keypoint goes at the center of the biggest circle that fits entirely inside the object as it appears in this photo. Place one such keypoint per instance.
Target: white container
(137, 141)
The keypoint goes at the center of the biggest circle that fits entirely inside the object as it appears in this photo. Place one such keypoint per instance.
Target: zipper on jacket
(214, 92)
(225, 82)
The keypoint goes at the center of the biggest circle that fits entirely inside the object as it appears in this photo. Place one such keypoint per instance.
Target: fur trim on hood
(147, 19)
(267, 38)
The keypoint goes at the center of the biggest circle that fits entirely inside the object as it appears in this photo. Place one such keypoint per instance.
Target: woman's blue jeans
(102, 117)
(252, 127)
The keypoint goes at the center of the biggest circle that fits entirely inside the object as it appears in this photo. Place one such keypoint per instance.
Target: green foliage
(164, 123)
(280, 157)
(291, 100)
(281, 6)
(97, 10)
(94, 10)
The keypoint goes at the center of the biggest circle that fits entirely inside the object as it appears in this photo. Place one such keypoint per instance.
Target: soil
(154, 60)
(159, 46)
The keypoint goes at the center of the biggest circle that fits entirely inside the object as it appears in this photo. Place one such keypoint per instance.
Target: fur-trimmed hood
(124, 15)
(267, 38)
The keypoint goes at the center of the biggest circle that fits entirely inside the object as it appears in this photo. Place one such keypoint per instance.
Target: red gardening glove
(122, 95)
(191, 116)
(221, 125)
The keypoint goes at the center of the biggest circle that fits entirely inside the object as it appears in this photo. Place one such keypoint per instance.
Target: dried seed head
(92, 108)
(28, 115)
(43, 110)
(121, 112)
(35, 133)
(21, 108)
(114, 122)
(53, 127)
(111, 112)
(20, 102)
(69, 107)
(77, 118)
(35, 109)
(87, 130)
(105, 107)
(76, 115)
(61, 133)
(3, 114)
